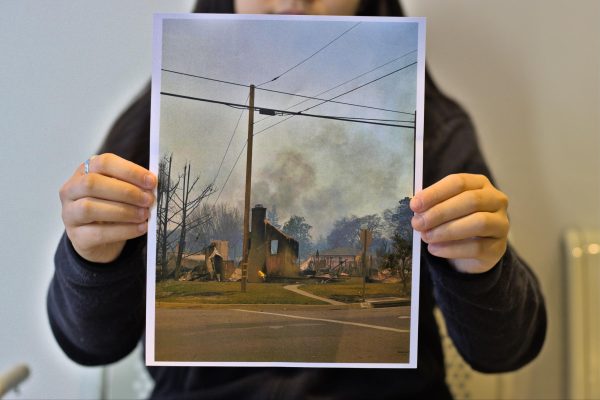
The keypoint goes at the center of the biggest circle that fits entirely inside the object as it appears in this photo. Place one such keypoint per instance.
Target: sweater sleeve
(97, 311)
(497, 320)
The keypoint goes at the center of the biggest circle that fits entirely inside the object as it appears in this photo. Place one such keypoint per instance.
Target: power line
(336, 102)
(311, 56)
(302, 113)
(205, 77)
(284, 112)
(281, 112)
(284, 93)
(291, 114)
(274, 112)
(275, 124)
(361, 86)
(230, 140)
(349, 91)
(348, 81)
(231, 171)
(242, 150)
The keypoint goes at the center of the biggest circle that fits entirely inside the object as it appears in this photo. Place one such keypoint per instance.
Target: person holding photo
(490, 299)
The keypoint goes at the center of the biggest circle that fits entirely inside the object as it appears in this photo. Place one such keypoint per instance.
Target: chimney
(256, 254)
(257, 226)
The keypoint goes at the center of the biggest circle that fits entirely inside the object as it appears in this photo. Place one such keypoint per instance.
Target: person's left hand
(463, 218)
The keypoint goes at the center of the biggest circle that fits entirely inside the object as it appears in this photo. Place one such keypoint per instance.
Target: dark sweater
(497, 319)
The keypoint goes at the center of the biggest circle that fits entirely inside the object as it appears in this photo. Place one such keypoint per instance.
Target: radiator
(582, 266)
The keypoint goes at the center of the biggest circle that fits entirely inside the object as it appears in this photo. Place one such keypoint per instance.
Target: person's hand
(104, 208)
(463, 218)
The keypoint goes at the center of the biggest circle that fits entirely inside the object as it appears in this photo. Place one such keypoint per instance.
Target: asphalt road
(251, 334)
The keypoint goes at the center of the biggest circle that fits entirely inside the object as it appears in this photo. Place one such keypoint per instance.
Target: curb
(385, 302)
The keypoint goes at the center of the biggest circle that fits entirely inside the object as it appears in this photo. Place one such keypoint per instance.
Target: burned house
(341, 259)
(211, 263)
(217, 263)
(271, 251)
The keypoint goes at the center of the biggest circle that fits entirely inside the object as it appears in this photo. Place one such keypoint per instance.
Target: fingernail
(147, 199)
(418, 222)
(149, 181)
(143, 227)
(143, 213)
(416, 204)
(425, 236)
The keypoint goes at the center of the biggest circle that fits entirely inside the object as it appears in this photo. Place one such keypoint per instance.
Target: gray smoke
(332, 173)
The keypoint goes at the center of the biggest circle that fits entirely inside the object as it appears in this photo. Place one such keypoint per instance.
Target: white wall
(66, 69)
(528, 72)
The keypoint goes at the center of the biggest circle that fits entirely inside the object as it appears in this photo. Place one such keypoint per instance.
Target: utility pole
(366, 236)
(245, 247)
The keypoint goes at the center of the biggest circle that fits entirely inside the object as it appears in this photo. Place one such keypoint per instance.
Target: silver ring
(86, 165)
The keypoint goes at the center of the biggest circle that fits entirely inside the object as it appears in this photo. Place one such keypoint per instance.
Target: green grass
(350, 291)
(227, 293)
(201, 293)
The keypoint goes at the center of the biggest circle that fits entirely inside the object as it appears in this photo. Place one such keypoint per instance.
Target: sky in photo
(320, 169)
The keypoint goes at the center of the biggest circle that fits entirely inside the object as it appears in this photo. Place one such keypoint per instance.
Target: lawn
(350, 291)
(228, 293)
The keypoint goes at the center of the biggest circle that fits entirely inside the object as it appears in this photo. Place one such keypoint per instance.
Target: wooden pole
(364, 261)
(366, 236)
(245, 247)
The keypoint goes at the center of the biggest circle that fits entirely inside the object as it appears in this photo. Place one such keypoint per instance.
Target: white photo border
(154, 160)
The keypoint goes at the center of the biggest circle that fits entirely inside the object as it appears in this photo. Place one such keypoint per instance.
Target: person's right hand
(101, 210)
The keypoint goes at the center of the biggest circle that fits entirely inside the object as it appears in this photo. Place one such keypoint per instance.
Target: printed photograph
(287, 150)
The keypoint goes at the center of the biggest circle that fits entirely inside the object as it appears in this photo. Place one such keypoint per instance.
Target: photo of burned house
(284, 189)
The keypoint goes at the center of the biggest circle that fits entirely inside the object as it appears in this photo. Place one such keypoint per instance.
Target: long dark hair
(129, 137)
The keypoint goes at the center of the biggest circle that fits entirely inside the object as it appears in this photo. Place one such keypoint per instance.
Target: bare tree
(164, 204)
(187, 203)
(176, 202)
